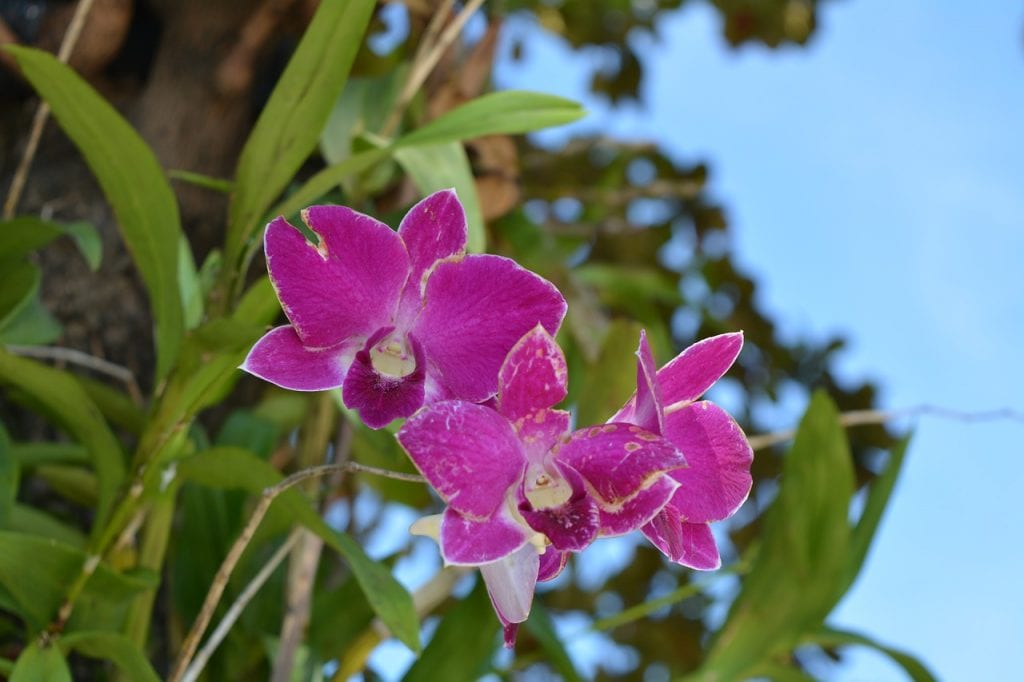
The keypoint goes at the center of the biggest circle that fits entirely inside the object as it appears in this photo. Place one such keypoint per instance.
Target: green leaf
(609, 382)
(64, 401)
(32, 521)
(289, 127)
(830, 637)
(325, 180)
(540, 626)
(39, 663)
(112, 646)
(132, 181)
(463, 644)
(361, 108)
(508, 112)
(231, 467)
(10, 475)
(796, 578)
(877, 501)
(21, 236)
(31, 325)
(200, 180)
(32, 454)
(21, 284)
(37, 572)
(440, 166)
(191, 290)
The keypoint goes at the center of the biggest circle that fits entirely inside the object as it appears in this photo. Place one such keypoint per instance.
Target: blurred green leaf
(831, 637)
(463, 644)
(32, 521)
(39, 663)
(31, 325)
(32, 454)
(508, 112)
(132, 181)
(116, 405)
(362, 108)
(539, 625)
(37, 572)
(112, 646)
(796, 577)
(189, 284)
(339, 616)
(21, 284)
(878, 499)
(290, 124)
(609, 382)
(9, 478)
(231, 467)
(326, 179)
(21, 236)
(200, 180)
(74, 483)
(440, 166)
(64, 401)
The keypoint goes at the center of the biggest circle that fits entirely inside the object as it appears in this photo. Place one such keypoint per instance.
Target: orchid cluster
(408, 325)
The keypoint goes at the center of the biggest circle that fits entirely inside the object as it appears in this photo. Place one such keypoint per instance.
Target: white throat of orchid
(392, 357)
(545, 489)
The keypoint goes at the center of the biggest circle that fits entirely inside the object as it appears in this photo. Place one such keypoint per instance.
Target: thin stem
(427, 57)
(77, 357)
(67, 46)
(865, 417)
(236, 608)
(220, 580)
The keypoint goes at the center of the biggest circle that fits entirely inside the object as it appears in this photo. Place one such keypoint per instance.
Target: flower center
(545, 490)
(392, 358)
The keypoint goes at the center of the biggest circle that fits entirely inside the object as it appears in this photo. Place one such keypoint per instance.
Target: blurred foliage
(159, 485)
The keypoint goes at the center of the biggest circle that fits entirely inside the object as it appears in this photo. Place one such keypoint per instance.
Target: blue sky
(875, 185)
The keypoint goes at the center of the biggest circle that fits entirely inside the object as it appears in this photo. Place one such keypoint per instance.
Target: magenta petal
(693, 371)
(551, 564)
(648, 410)
(476, 308)
(348, 285)
(469, 453)
(619, 460)
(465, 542)
(380, 398)
(639, 509)
(433, 229)
(689, 544)
(570, 526)
(510, 585)
(718, 479)
(280, 358)
(541, 431)
(532, 377)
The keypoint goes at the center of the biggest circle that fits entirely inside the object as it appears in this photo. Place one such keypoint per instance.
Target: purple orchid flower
(717, 480)
(521, 490)
(396, 319)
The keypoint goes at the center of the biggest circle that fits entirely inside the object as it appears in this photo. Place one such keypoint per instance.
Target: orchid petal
(346, 286)
(571, 525)
(540, 432)
(718, 479)
(467, 452)
(689, 544)
(465, 542)
(379, 398)
(532, 377)
(619, 460)
(475, 310)
(510, 584)
(551, 564)
(280, 358)
(639, 509)
(693, 371)
(648, 409)
(433, 229)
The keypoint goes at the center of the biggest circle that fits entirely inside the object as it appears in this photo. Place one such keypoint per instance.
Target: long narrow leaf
(289, 127)
(132, 181)
(231, 467)
(508, 112)
(60, 396)
(917, 671)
